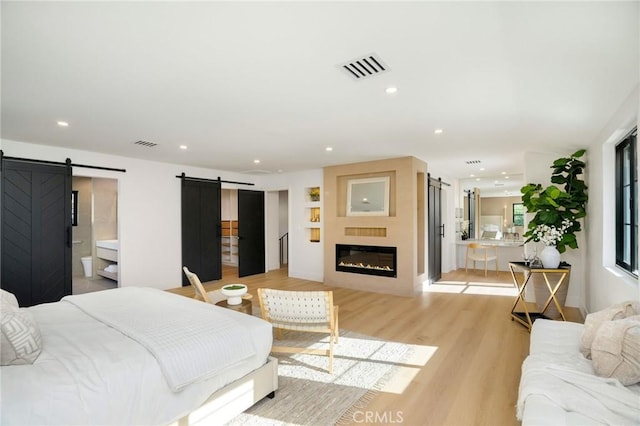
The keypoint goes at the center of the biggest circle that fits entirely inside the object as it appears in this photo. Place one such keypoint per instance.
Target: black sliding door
(436, 229)
(251, 250)
(201, 247)
(36, 231)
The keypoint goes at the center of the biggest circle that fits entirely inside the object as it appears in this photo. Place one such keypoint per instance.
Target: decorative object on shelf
(558, 210)
(314, 194)
(234, 293)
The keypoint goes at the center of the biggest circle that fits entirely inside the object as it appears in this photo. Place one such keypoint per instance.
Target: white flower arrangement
(550, 235)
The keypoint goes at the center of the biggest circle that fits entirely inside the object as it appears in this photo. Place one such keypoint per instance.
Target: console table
(527, 317)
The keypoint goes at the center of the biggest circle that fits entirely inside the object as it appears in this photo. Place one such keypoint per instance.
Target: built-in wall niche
(354, 231)
(351, 191)
(313, 214)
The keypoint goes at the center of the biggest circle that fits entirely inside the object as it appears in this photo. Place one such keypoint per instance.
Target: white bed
(89, 372)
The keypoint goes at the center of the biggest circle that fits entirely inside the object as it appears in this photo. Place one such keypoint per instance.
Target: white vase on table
(550, 257)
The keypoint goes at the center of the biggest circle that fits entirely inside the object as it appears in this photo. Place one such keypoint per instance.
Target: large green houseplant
(559, 207)
(558, 210)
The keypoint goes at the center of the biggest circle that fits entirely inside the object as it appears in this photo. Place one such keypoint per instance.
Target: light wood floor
(471, 379)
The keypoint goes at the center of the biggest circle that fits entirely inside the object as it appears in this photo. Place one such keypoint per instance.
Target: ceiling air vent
(473, 162)
(365, 67)
(145, 144)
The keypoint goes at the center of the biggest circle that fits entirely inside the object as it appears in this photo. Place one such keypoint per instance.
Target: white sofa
(559, 387)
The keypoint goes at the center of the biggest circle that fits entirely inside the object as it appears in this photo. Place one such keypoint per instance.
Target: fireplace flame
(363, 266)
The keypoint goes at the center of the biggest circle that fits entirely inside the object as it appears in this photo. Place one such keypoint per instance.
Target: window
(627, 204)
(518, 214)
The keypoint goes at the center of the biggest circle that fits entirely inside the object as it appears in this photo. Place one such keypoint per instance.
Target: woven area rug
(309, 395)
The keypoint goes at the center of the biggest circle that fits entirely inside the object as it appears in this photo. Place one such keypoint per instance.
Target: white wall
(305, 258)
(606, 284)
(149, 224)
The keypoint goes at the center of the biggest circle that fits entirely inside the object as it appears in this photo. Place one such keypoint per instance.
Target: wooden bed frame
(236, 397)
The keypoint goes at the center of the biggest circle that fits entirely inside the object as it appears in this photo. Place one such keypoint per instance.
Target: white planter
(234, 293)
(550, 257)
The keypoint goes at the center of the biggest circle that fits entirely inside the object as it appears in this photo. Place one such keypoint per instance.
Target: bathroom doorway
(94, 234)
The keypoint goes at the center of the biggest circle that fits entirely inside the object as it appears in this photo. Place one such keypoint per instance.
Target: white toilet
(87, 264)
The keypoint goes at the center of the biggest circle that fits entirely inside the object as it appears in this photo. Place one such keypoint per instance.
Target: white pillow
(616, 350)
(8, 298)
(595, 320)
(20, 340)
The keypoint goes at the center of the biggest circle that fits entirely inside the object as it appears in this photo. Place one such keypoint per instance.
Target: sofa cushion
(615, 350)
(595, 320)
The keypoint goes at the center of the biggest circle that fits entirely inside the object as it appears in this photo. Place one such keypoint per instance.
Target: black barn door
(36, 231)
(201, 246)
(251, 250)
(436, 229)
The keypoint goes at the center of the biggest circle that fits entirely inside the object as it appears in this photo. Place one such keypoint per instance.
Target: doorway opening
(94, 244)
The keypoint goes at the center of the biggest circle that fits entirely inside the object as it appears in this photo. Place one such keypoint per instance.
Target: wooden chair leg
(331, 354)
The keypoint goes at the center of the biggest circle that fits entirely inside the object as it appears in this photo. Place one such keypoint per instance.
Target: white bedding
(189, 340)
(90, 373)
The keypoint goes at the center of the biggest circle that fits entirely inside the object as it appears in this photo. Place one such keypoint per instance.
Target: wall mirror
(368, 197)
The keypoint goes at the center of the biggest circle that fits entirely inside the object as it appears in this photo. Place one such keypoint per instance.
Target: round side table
(244, 307)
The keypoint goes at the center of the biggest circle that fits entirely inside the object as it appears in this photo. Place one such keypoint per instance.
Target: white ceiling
(238, 81)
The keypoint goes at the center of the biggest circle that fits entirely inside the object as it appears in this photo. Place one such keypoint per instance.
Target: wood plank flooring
(472, 377)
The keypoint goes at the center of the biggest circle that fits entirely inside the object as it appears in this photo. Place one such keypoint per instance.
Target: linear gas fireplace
(370, 260)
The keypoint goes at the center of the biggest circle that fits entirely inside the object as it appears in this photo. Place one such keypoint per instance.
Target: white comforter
(189, 340)
(91, 374)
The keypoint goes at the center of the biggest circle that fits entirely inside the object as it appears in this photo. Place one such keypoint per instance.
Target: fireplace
(369, 260)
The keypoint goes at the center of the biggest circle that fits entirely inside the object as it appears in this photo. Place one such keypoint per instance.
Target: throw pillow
(594, 320)
(616, 350)
(20, 340)
(8, 298)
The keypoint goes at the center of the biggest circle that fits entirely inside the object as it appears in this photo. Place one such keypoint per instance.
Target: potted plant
(558, 209)
(314, 194)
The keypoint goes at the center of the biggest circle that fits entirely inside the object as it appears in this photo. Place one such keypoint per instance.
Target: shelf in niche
(314, 215)
(353, 231)
(314, 235)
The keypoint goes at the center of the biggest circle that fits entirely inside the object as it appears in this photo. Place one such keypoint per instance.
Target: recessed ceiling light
(506, 177)
(256, 161)
(477, 179)
(503, 173)
(328, 149)
(391, 90)
(482, 169)
(472, 175)
(438, 131)
(183, 147)
(63, 124)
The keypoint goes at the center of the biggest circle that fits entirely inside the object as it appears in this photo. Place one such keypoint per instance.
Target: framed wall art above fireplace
(368, 197)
